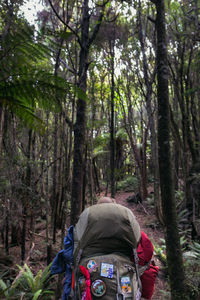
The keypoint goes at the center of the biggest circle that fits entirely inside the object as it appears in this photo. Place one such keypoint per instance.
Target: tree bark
(80, 125)
(2, 114)
(173, 249)
(112, 120)
(149, 78)
(26, 197)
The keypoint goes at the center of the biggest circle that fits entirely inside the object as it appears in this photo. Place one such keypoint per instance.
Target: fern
(34, 286)
(27, 82)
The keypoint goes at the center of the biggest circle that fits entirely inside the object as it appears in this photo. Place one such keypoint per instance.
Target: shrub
(129, 184)
(27, 286)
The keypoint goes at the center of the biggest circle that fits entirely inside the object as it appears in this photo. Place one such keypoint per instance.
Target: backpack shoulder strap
(135, 258)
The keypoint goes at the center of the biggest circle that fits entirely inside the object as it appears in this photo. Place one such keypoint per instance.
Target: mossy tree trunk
(174, 255)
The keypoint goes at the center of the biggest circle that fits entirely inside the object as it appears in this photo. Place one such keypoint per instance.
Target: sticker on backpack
(126, 284)
(107, 270)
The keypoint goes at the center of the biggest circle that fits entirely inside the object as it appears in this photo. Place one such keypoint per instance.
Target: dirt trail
(149, 224)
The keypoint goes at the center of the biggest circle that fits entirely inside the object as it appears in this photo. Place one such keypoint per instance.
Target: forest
(98, 97)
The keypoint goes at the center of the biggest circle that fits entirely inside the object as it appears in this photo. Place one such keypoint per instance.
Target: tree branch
(99, 21)
(151, 19)
(71, 29)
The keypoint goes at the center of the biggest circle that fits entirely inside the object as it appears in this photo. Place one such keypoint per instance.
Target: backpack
(105, 238)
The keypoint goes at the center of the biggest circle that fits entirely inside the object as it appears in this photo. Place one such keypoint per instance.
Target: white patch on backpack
(107, 270)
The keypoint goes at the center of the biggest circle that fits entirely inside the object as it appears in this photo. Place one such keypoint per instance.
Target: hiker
(103, 252)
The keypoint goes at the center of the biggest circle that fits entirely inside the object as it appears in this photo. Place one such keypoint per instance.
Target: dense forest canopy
(90, 95)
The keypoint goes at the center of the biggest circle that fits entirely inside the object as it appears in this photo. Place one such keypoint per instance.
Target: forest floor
(147, 220)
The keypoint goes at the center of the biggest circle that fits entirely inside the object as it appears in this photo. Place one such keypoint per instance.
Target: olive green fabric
(106, 228)
(122, 267)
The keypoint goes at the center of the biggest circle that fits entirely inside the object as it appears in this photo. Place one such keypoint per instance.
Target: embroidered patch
(92, 265)
(107, 270)
(126, 284)
(98, 288)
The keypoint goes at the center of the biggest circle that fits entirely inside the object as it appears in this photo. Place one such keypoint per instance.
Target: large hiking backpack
(105, 238)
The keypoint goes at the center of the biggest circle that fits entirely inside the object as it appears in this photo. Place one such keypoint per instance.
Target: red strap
(72, 280)
(86, 294)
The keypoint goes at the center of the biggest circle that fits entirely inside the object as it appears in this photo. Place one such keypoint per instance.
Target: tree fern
(26, 80)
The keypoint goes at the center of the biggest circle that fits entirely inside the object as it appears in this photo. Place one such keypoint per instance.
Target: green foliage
(27, 285)
(182, 215)
(101, 144)
(27, 82)
(191, 263)
(35, 285)
(130, 183)
(150, 200)
(122, 134)
(160, 251)
(192, 267)
(174, 6)
(194, 253)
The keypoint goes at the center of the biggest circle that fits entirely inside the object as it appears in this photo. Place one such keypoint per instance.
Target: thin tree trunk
(112, 120)
(96, 179)
(7, 228)
(55, 179)
(26, 197)
(2, 114)
(48, 243)
(149, 79)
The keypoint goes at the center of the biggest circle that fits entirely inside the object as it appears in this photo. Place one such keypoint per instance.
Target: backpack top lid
(106, 228)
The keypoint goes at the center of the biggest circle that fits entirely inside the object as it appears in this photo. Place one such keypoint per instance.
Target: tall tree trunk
(174, 255)
(26, 197)
(2, 114)
(48, 242)
(149, 77)
(55, 167)
(55, 179)
(7, 227)
(112, 120)
(80, 125)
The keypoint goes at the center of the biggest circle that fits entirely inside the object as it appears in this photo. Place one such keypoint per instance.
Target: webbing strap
(120, 295)
(78, 258)
(135, 257)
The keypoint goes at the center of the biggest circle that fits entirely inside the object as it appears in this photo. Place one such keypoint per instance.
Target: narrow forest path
(147, 220)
